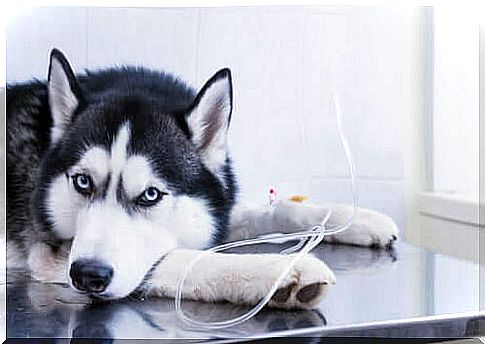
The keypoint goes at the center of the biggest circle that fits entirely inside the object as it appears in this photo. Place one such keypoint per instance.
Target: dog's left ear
(209, 118)
(63, 91)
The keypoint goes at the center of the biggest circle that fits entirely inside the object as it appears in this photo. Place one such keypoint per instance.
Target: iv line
(315, 235)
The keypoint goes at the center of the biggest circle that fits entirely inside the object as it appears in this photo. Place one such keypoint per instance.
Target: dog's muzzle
(90, 275)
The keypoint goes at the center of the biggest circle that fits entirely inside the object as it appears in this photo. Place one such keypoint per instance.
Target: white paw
(369, 228)
(305, 286)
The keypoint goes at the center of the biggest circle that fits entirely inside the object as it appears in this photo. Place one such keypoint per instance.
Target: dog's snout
(90, 275)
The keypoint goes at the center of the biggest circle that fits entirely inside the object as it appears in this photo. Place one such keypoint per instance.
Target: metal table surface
(405, 292)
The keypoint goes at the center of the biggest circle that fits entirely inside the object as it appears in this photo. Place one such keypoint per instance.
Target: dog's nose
(90, 275)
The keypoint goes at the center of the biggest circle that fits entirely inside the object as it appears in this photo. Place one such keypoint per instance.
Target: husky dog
(116, 178)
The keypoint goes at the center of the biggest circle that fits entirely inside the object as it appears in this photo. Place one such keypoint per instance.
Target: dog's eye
(83, 184)
(150, 196)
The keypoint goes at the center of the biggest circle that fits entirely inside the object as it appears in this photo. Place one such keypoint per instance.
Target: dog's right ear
(63, 91)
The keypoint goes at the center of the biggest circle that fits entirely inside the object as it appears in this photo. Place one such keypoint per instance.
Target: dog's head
(133, 171)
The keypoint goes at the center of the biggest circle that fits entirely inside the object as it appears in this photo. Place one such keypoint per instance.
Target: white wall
(285, 62)
(456, 120)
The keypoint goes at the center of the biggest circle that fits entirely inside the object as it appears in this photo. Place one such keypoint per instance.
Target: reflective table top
(407, 291)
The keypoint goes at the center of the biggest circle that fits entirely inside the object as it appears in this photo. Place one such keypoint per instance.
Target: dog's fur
(84, 154)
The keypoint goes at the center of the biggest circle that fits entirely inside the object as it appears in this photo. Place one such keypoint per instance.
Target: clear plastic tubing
(315, 235)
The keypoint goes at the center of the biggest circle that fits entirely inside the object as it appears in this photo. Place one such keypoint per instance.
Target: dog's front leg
(368, 228)
(241, 278)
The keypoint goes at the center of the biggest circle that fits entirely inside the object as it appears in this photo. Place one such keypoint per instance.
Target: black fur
(155, 103)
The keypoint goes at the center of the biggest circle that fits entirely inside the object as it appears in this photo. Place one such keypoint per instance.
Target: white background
(455, 102)
(285, 63)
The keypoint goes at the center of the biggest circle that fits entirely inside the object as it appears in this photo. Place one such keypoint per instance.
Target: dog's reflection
(154, 318)
(342, 259)
(157, 319)
(77, 316)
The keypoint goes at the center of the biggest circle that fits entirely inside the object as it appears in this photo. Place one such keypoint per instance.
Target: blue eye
(83, 184)
(151, 194)
(150, 197)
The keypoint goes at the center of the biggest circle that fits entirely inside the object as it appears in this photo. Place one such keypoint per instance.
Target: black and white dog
(116, 178)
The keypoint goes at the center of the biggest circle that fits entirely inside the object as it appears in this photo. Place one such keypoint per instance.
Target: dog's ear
(63, 91)
(209, 118)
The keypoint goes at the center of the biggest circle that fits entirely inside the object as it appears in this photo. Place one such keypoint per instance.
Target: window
(455, 125)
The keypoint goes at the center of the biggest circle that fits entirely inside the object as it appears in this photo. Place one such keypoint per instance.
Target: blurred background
(407, 76)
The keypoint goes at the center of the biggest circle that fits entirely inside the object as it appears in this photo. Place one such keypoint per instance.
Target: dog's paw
(305, 286)
(369, 228)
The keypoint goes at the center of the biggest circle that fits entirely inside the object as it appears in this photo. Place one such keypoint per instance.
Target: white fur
(189, 218)
(238, 278)
(95, 162)
(62, 100)
(368, 227)
(137, 176)
(129, 244)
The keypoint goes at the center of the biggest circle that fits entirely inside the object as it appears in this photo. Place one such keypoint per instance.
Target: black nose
(90, 275)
